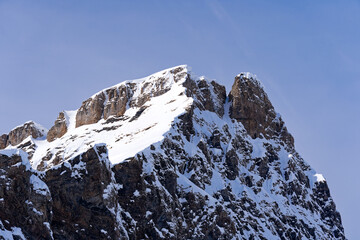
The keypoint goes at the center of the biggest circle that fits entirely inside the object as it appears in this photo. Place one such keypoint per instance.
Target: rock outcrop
(25, 200)
(84, 200)
(18, 134)
(169, 156)
(59, 128)
(209, 96)
(3, 141)
(112, 102)
(117, 100)
(251, 106)
(83, 197)
(91, 110)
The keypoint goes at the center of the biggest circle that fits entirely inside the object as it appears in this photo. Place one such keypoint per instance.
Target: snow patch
(10, 234)
(137, 193)
(126, 137)
(39, 186)
(319, 177)
(19, 152)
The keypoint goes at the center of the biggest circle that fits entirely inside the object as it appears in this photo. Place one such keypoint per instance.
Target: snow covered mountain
(169, 156)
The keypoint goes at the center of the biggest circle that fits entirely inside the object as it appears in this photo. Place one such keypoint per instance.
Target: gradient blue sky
(55, 54)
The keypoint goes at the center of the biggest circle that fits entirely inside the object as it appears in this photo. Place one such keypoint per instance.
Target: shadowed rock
(83, 195)
(25, 199)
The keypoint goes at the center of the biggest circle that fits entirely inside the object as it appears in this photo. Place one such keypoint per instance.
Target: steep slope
(168, 156)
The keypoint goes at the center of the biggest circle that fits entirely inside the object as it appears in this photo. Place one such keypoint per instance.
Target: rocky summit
(169, 156)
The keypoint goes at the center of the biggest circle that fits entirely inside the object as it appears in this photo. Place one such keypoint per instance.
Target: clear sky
(55, 54)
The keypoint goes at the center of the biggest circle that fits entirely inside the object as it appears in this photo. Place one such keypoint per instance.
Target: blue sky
(55, 54)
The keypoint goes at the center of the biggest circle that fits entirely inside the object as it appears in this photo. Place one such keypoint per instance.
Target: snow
(160, 233)
(319, 177)
(24, 156)
(247, 76)
(39, 186)
(38, 126)
(70, 118)
(137, 193)
(217, 183)
(142, 81)
(129, 137)
(37, 211)
(158, 121)
(41, 128)
(18, 126)
(108, 191)
(9, 235)
(258, 148)
(148, 213)
(77, 168)
(12, 152)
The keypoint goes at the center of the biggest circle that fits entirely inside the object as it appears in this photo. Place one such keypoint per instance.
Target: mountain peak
(250, 77)
(201, 164)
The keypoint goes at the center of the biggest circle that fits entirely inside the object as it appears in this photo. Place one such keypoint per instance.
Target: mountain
(169, 156)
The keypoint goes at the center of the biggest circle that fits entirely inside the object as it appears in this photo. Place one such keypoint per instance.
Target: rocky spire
(59, 128)
(251, 106)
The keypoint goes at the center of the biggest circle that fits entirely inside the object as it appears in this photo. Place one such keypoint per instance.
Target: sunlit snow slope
(129, 136)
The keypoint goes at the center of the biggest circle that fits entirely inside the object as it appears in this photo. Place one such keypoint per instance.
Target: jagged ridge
(180, 159)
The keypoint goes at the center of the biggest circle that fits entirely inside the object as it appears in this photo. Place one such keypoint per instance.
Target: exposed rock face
(322, 196)
(210, 96)
(3, 141)
(117, 100)
(25, 200)
(28, 146)
(251, 106)
(177, 161)
(91, 110)
(84, 198)
(59, 128)
(18, 134)
(113, 101)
